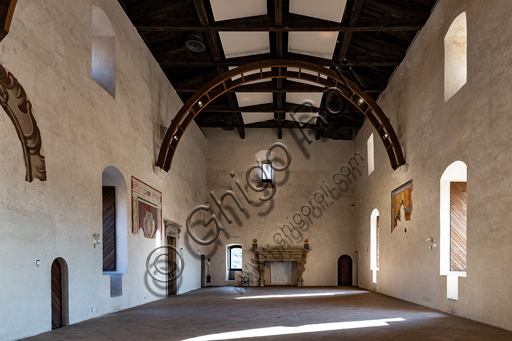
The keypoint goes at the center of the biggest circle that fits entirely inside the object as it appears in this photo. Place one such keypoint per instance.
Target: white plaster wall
(84, 129)
(473, 126)
(330, 233)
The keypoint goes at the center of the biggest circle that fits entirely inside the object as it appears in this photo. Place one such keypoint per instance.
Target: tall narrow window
(109, 228)
(453, 222)
(455, 56)
(371, 164)
(374, 244)
(103, 51)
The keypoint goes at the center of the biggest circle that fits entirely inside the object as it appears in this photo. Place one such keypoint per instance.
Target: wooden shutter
(458, 231)
(109, 229)
(56, 279)
(378, 242)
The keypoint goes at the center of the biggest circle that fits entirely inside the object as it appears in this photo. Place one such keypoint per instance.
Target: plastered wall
(474, 127)
(330, 228)
(84, 130)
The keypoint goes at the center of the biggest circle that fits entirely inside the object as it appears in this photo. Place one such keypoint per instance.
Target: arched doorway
(59, 293)
(345, 271)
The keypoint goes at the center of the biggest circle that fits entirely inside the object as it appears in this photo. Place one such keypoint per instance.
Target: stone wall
(84, 130)
(474, 127)
(330, 228)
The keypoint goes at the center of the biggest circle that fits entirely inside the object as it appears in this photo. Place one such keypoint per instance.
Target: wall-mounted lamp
(38, 263)
(432, 244)
(96, 239)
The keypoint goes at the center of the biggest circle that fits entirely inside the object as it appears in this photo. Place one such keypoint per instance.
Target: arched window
(374, 244)
(115, 227)
(103, 51)
(455, 56)
(233, 260)
(453, 223)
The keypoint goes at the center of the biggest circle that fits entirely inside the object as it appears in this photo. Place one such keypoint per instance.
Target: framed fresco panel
(146, 209)
(401, 197)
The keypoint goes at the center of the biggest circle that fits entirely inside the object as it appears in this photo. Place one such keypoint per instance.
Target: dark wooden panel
(458, 233)
(345, 270)
(109, 229)
(6, 13)
(56, 285)
(378, 228)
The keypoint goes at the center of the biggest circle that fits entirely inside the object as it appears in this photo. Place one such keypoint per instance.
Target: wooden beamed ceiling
(373, 38)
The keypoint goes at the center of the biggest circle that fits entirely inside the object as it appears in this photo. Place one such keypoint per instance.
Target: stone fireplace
(263, 257)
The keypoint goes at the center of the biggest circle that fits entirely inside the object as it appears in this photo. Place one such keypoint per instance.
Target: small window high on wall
(453, 222)
(455, 56)
(374, 244)
(103, 51)
(371, 162)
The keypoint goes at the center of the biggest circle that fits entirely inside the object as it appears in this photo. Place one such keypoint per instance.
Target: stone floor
(274, 313)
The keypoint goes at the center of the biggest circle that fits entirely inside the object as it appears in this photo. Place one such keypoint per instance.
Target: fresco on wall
(401, 197)
(19, 109)
(146, 209)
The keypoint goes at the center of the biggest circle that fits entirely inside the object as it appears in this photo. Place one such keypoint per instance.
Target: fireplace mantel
(285, 255)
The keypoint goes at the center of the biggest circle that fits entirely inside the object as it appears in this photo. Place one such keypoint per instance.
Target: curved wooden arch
(19, 109)
(255, 71)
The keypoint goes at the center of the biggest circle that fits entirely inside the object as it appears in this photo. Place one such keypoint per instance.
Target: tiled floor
(226, 313)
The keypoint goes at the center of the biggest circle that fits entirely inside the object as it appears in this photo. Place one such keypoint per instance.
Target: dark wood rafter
(170, 59)
(347, 37)
(296, 24)
(288, 86)
(322, 76)
(213, 42)
(6, 12)
(280, 96)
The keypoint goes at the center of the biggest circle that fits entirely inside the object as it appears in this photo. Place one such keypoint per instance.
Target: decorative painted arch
(19, 109)
(278, 69)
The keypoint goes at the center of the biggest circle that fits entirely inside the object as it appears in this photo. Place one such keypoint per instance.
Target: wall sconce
(432, 244)
(96, 239)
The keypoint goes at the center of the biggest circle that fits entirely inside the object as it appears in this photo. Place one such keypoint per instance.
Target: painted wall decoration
(401, 197)
(19, 109)
(146, 209)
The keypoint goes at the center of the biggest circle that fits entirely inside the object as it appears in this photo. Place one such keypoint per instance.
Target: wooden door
(56, 295)
(458, 233)
(345, 270)
(109, 228)
(172, 267)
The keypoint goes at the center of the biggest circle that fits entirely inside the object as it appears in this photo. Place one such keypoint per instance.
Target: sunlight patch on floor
(292, 295)
(309, 328)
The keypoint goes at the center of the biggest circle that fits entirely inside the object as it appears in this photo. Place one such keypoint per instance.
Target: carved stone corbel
(172, 229)
(19, 109)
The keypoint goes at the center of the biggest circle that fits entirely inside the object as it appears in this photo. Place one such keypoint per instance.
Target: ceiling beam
(259, 108)
(285, 125)
(347, 36)
(169, 60)
(300, 24)
(288, 86)
(213, 43)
